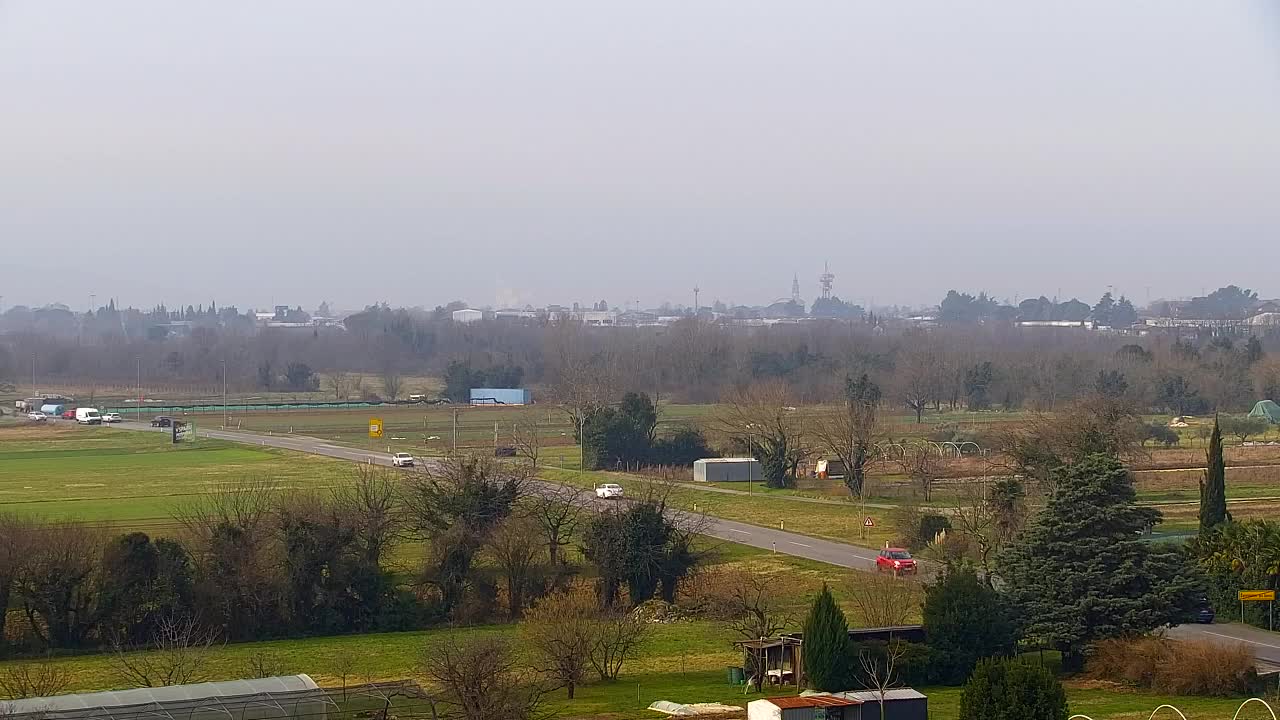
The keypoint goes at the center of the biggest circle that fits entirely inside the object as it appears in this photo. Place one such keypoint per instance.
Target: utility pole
(696, 290)
(224, 393)
(455, 430)
(139, 408)
(34, 390)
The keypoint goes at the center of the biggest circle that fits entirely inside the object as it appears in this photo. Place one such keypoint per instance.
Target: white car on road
(402, 460)
(609, 491)
(112, 418)
(37, 416)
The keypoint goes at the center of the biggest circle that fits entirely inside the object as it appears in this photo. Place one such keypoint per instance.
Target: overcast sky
(510, 152)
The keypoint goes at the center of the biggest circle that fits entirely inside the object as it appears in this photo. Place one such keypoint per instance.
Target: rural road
(794, 544)
(1266, 645)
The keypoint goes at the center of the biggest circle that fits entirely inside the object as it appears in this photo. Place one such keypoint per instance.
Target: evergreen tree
(827, 655)
(966, 621)
(1081, 571)
(1012, 690)
(1213, 486)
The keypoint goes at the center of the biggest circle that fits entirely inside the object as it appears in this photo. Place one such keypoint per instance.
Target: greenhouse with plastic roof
(292, 697)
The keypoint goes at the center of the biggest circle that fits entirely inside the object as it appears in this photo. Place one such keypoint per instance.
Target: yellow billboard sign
(375, 428)
(1257, 595)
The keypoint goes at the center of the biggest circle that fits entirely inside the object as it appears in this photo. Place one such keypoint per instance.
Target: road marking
(800, 544)
(1240, 639)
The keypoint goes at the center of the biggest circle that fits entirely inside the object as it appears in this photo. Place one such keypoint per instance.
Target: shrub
(966, 621)
(1174, 667)
(930, 526)
(1012, 690)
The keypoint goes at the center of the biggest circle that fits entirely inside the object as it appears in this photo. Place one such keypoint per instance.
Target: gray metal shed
(899, 704)
(727, 470)
(290, 697)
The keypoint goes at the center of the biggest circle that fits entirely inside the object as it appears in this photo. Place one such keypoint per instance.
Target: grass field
(105, 474)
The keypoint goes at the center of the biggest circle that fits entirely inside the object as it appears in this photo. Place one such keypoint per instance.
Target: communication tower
(825, 280)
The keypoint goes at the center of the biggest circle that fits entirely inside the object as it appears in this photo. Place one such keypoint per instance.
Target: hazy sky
(551, 151)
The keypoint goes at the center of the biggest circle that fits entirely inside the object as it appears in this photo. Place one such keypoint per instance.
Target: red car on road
(69, 414)
(897, 561)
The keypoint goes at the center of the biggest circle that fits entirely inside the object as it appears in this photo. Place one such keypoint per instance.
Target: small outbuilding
(804, 707)
(1267, 410)
(728, 470)
(899, 704)
(290, 697)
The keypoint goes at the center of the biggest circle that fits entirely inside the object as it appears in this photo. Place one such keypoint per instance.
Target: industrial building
(291, 697)
(501, 396)
(467, 315)
(728, 470)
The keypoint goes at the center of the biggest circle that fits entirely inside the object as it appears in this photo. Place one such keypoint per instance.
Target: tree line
(956, 365)
(261, 561)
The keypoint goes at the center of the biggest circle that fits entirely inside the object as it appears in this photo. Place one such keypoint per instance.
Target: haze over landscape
(558, 151)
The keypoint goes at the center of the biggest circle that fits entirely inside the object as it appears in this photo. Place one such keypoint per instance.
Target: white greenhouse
(291, 697)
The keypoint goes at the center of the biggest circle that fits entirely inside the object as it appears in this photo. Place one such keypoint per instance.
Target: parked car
(88, 416)
(161, 421)
(37, 416)
(112, 418)
(68, 414)
(609, 491)
(897, 561)
(1205, 614)
(402, 460)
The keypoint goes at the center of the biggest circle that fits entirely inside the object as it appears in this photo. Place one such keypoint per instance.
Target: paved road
(787, 543)
(1266, 645)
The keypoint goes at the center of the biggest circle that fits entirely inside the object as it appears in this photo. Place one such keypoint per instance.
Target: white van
(88, 416)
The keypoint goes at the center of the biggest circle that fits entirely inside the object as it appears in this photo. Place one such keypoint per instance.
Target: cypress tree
(1213, 486)
(826, 650)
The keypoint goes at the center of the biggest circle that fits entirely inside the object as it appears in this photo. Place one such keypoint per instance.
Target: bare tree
(479, 679)
(850, 435)
(560, 630)
(344, 666)
(761, 421)
(619, 634)
(977, 518)
(921, 462)
(371, 504)
(883, 600)
(231, 539)
(918, 378)
(880, 670)
(177, 655)
(340, 383)
(265, 664)
(57, 583)
(355, 386)
(558, 511)
(583, 379)
(755, 611)
(514, 546)
(17, 536)
(42, 678)
(392, 384)
(527, 439)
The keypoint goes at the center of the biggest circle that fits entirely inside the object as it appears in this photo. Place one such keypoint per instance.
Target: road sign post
(375, 428)
(1266, 596)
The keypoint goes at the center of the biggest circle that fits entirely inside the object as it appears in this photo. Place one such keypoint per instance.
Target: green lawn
(107, 474)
